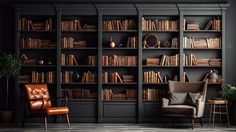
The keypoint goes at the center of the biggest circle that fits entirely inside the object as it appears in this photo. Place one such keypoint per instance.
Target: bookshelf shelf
(158, 66)
(160, 48)
(81, 100)
(119, 31)
(119, 66)
(202, 31)
(80, 66)
(80, 31)
(121, 48)
(39, 66)
(202, 48)
(39, 83)
(81, 48)
(160, 31)
(202, 66)
(131, 83)
(152, 101)
(38, 48)
(155, 83)
(78, 83)
(38, 31)
(118, 101)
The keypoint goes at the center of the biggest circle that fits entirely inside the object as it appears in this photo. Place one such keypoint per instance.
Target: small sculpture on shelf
(112, 44)
(41, 61)
(76, 77)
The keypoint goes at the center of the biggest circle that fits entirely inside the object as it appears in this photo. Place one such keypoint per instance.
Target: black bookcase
(95, 108)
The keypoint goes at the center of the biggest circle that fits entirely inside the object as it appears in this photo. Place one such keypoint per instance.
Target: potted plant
(9, 67)
(229, 92)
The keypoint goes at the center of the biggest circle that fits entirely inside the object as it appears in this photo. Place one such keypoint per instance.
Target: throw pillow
(192, 98)
(177, 98)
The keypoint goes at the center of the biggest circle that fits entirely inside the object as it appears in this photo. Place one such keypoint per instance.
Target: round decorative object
(76, 77)
(41, 61)
(151, 41)
(49, 62)
(112, 44)
(213, 75)
(166, 44)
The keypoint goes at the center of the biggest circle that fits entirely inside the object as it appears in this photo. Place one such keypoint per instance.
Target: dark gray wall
(7, 32)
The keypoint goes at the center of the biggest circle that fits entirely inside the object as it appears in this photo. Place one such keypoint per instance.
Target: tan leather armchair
(38, 104)
(185, 110)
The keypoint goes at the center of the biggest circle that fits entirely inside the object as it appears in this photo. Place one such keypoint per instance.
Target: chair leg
(68, 121)
(200, 120)
(45, 123)
(192, 123)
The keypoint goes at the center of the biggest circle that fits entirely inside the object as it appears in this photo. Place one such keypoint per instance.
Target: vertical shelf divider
(17, 88)
(100, 105)
(58, 77)
(181, 35)
(140, 76)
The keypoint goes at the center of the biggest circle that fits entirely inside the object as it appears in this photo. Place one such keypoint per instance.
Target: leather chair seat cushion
(57, 110)
(179, 110)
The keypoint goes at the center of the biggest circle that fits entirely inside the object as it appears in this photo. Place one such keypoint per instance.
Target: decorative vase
(41, 61)
(76, 77)
(112, 44)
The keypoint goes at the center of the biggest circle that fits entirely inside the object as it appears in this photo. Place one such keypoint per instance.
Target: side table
(220, 104)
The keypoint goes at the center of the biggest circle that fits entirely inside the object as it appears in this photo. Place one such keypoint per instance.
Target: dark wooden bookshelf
(98, 110)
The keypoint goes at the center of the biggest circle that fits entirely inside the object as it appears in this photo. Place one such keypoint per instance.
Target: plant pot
(6, 117)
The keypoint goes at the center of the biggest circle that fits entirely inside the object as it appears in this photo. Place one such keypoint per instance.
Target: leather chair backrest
(38, 91)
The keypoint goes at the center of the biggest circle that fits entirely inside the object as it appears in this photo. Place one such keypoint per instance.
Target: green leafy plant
(9, 67)
(229, 92)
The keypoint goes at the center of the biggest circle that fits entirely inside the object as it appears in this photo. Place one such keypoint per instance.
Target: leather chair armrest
(165, 102)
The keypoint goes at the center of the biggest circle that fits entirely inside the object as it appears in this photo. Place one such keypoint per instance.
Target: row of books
(76, 25)
(70, 42)
(69, 60)
(79, 93)
(190, 60)
(132, 42)
(190, 42)
(169, 60)
(25, 24)
(124, 94)
(38, 77)
(214, 24)
(164, 60)
(126, 24)
(87, 77)
(116, 60)
(159, 24)
(115, 77)
(152, 77)
(35, 43)
(154, 94)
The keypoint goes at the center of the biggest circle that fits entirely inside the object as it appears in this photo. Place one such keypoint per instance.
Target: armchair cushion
(177, 98)
(179, 110)
(192, 98)
(57, 110)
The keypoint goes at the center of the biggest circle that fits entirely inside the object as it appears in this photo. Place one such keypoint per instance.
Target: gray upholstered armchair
(185, 100)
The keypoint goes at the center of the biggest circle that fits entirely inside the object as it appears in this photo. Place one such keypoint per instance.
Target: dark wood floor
(82, 127)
